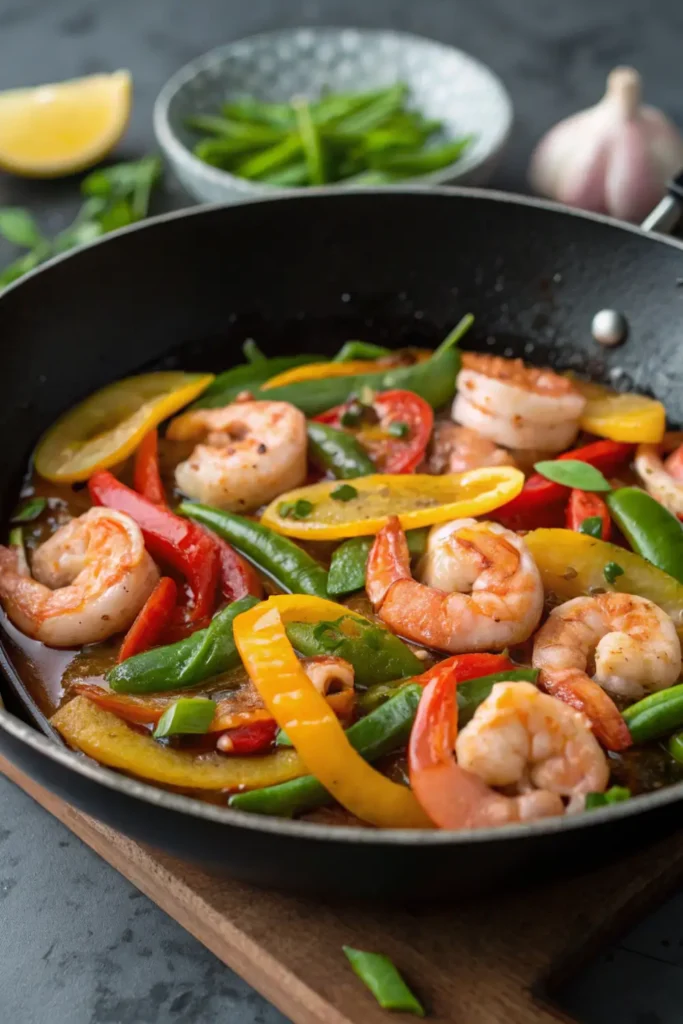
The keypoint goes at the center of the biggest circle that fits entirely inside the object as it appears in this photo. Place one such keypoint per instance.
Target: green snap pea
(208, 652)
(656, 715)
(189, 715)
(377, 734)
(433, 380)
(375, 653)
(675, 746)
(384, 981)
(351, 350)
(613, 795)
(349, 561)
(339, 452)
(651, 530)
(248, 377)
(288, 564)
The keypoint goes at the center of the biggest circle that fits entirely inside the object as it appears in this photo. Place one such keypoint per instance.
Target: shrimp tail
(389, 561)
(584, 695)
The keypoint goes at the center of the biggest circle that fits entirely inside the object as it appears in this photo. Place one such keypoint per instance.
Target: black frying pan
(398, 266)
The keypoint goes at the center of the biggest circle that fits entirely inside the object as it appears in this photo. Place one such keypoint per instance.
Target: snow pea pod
(350, 559)
(248, 377)
(375, 653)
(206, 653)
(651, 530)
(373, 736)
(288, 564)
(433, 380)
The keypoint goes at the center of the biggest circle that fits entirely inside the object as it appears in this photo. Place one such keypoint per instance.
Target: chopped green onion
(252, 353)
(299, 509)
(592, 525)
(30, 510)
(345, 492)
(614, 795)
(384, 981)
(398, 429)
(367, 395)
(187, 715)
(612, 571)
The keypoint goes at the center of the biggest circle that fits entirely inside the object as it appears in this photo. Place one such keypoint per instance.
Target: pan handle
(666, 214)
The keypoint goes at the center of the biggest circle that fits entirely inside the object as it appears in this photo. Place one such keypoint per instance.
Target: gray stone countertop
(78, 944)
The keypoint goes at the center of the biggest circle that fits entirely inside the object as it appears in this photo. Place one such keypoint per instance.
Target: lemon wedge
(53, 130)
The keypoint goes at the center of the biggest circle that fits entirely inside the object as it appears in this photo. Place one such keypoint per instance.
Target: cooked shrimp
(632, 643)
(455, 449)
(249, 453)
(541, 748)
(661, 480)
(516, 405)
(480, 588)
(92, 577)
(536, 749)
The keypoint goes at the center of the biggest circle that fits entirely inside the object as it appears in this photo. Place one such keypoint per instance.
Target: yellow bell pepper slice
(417, 499)
(107, 739)
(313, 728)
(621, 417)
(108, 426)
(319, 371)
(572, 565)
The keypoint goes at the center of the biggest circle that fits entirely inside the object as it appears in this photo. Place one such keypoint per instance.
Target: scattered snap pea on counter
(384, 981)
(365, 138)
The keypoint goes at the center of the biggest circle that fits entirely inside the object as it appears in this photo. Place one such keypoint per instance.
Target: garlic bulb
(615, 157)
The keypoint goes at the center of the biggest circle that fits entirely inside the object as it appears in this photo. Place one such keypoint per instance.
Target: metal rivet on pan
(609, 327)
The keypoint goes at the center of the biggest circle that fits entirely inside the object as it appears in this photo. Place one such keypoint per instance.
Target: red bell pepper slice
(255, 738)
(588, 505)
(541, 498)
(146, 475)
(402, 410)
(178, 542)
(152, 619)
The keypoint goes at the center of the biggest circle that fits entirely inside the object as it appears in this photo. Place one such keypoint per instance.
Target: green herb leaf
(351, 417)
(18, 226)
(592, 525)
(345, 492)
(398, 429)
(614, 795)
(30, 510)
(384, 981)
(456, 335)
(299, 509)
(29, 261)
(612, 571)
(572, 473)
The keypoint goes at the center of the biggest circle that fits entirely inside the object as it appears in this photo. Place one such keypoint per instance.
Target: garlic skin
(615, 157)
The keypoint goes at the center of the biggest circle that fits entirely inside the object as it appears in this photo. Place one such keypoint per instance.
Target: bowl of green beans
(312, 107)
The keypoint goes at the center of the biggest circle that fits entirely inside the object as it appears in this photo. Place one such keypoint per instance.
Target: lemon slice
(53, 130)
(625, 417)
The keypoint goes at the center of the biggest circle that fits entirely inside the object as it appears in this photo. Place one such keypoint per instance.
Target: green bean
(384, 981)
(350, 559)
(651, 530)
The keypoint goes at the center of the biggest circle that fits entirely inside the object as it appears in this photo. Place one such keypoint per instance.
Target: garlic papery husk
(615, 157)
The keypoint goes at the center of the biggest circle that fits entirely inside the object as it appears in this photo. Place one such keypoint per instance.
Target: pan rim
(146, 792)
(331, 192)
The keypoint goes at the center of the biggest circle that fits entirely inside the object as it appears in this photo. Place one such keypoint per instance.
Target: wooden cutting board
(493, 962)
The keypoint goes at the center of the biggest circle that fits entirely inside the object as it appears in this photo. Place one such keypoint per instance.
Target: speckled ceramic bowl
(444, 83)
